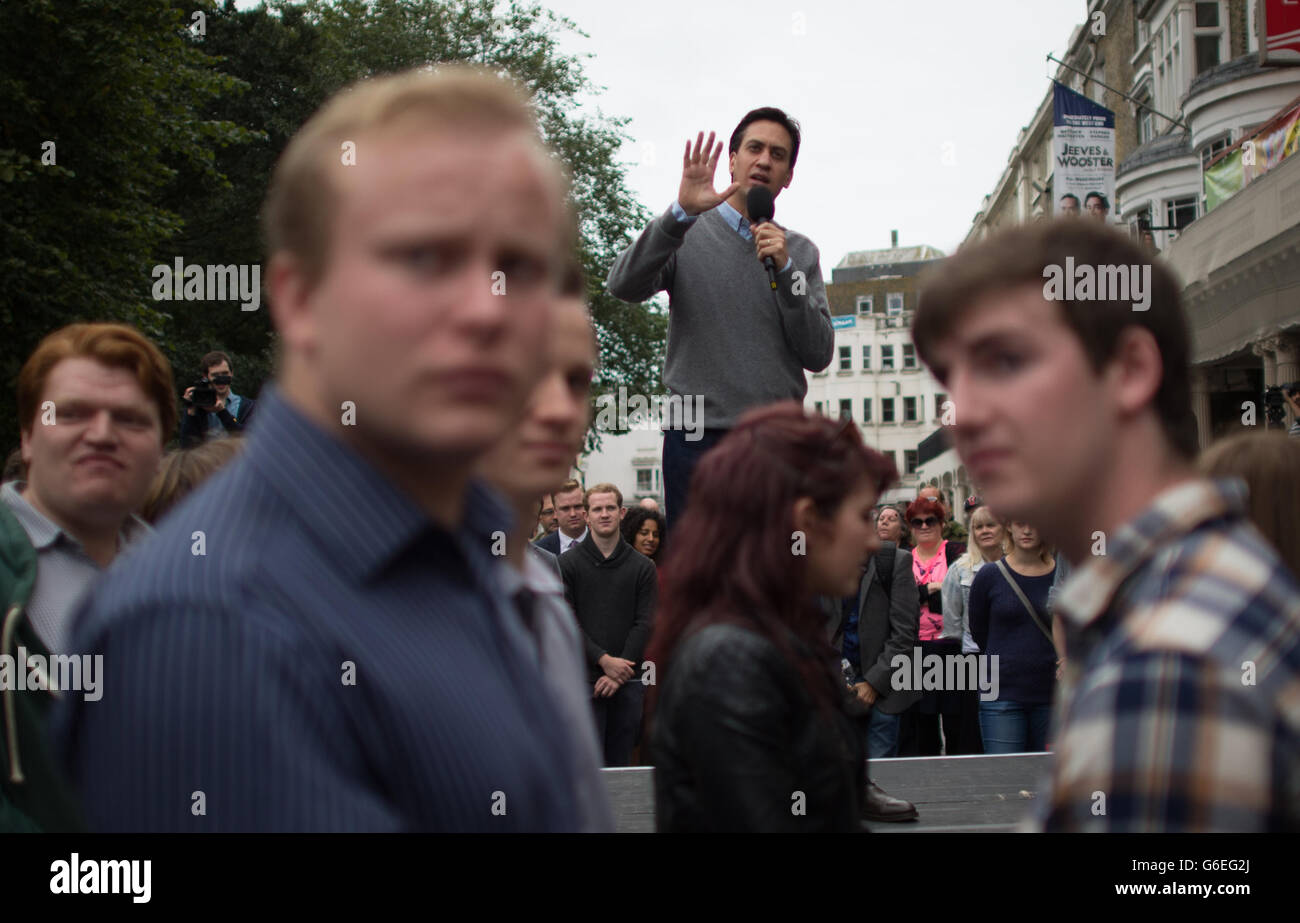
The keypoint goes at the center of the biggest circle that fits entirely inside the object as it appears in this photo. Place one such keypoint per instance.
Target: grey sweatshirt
(730, 337)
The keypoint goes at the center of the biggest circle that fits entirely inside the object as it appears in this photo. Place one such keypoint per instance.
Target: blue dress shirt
(332, 660)
(735, 220)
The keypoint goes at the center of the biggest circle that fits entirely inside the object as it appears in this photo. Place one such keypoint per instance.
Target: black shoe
(879, 805)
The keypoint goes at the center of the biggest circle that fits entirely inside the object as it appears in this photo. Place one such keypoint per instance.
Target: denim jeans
(1014, 727)
(882, 735)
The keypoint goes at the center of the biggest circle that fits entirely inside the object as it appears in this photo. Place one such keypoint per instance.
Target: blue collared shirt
(299, 647)
(215, 429)
(735, 220)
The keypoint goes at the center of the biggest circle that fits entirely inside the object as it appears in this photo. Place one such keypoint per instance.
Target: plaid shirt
(1180, 708)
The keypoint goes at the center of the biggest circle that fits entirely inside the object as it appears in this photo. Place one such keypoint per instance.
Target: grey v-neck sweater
(730, 337)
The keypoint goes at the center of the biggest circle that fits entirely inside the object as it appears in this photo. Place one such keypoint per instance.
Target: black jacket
(739, 745)
(613, 599)
(887, 626)
(550, 542)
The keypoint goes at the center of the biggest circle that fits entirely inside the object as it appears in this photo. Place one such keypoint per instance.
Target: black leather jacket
(739, 745)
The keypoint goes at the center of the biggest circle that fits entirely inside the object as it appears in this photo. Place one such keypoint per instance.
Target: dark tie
(526, 604)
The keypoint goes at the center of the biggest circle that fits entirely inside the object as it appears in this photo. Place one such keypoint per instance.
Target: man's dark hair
(767, 114)
(1099, 197)
(1017, 257)
(1070, 195)
(211, 359)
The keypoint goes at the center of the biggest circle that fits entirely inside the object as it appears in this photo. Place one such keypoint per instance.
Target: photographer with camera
(1289, 394)
(212, 410)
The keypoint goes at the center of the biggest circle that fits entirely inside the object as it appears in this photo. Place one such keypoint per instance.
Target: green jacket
(33, 795)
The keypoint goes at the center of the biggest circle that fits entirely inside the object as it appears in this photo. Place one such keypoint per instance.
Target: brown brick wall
(1238, 22)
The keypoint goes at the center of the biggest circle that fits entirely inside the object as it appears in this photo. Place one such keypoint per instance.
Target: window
(909, 410)
(1208, 36)
(643, 480)
(1179, 213)
(939, 400)
(866, 410)
(864, 304)
(909, 356)
(846, 408)
(1211, 150)
(846, 358)
(1141, 32)
(1146, 122)
(1168, 58)
(818, 405)
(1138, 219)
(887, 358)
(866, 358)
(893, 459)
(909, 461)
(886, 410)
(894, 301)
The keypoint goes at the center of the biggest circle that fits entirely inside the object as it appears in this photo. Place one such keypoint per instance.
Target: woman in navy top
(1017, 720)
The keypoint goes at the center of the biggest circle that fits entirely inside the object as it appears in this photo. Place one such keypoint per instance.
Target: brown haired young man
(95, 405)
(1180, 708)
(341, 655)
(613, 590)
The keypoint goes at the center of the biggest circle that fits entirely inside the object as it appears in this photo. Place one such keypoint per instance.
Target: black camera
(1274, 404)
(205, 391)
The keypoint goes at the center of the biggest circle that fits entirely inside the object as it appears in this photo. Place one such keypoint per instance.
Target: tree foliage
(166, 139)
(119, 90)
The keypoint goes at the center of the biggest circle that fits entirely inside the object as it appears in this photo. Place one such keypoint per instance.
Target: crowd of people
(383, 603)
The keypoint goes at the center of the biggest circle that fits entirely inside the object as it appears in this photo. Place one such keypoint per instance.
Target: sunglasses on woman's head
(924, 523)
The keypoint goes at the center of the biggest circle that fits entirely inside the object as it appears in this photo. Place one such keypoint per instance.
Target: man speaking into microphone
(747, 306)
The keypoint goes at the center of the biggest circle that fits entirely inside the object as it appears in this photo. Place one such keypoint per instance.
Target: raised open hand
(696, 194)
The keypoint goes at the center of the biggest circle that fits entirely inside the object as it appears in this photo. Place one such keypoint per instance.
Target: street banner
(1252, 158)
(1279, 32)
(1083, 147)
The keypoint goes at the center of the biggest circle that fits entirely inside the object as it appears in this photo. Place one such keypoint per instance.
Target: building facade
(1194, 91)
(875, 377)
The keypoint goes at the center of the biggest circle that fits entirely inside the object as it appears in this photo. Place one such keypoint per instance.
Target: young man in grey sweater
(734, 342)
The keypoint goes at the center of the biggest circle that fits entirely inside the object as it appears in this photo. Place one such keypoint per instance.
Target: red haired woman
(752, 727)
(959, 709)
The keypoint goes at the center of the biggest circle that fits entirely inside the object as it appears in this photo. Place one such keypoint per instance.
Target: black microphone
(758, 202)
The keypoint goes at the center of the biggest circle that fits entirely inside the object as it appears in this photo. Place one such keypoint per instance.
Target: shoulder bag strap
(1033, 613)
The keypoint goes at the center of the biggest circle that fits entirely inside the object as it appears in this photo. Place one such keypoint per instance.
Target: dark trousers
(618, 721)
(958, 710)
(680, 458)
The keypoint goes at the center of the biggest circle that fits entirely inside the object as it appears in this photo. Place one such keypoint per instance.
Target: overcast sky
(879, 86)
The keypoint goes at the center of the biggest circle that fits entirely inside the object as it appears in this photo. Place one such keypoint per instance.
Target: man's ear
(731, 165)
(1135, 371)
(24, 446)
(788, 177)
(290, 297)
